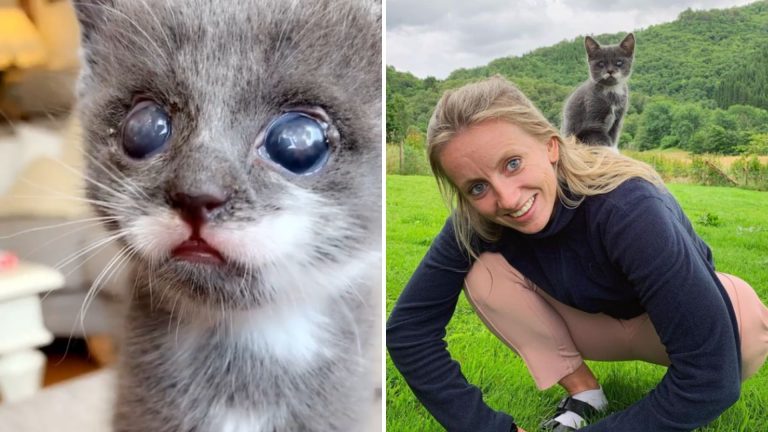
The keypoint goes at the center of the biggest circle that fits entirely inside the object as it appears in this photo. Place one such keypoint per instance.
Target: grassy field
(733, 222)
(684, 156)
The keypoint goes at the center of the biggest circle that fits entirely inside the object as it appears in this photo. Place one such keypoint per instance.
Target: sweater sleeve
(651, 241)
(415, 340)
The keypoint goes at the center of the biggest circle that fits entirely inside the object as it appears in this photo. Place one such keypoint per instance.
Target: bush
(667, 168)
(669, 141)
(749, 172)
(707, 171)
(393, 158)
(746, 171)
(414, 162)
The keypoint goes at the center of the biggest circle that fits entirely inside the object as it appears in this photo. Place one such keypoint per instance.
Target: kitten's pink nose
(195, 209)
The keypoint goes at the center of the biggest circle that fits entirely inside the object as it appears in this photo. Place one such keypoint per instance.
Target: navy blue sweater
(623, 253)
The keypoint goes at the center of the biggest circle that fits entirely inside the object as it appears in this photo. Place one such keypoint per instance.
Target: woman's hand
(519, 429)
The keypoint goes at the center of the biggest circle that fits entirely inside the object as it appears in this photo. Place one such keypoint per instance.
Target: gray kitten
(235, 147)
(595, 111)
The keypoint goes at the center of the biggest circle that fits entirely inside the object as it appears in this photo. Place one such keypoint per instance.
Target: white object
(26, 144)
(21, 328)
(82, 404)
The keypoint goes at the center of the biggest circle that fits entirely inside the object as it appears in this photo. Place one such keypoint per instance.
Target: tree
(655, 124)
(414, 161)
(686, 120)
(397, 118)
(430, 83)
(713, 138)
(757, 145)
(748, 118)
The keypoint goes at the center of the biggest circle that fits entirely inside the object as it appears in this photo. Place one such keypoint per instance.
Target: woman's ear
(553, 150)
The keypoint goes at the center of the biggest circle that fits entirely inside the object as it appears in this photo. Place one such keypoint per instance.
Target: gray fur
(225, 70)
(594, 112)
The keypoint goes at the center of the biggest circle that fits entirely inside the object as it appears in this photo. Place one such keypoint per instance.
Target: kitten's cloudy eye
(600, 64)
(146, 129)
(619, 63)
(297, 142)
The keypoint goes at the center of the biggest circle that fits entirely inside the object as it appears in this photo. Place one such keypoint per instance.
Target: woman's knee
(489, 273)
(752, 318)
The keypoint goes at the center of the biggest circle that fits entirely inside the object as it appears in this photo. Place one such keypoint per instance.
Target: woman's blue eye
(513, 164)
(477, 189)
(297, 142)
(146, 130)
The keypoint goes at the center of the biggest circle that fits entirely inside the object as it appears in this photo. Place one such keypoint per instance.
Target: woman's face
(506, 174)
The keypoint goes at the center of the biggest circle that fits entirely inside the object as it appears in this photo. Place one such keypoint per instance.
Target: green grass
(733, 222)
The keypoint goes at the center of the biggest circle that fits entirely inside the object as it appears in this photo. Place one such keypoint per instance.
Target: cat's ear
(91, 15)
(628, 44)
(591, 45)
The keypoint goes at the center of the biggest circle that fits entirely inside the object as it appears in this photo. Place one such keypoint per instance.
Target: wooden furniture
(21, 328)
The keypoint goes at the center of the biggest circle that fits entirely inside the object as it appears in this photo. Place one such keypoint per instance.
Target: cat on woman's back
(595, 111)
(235, 148)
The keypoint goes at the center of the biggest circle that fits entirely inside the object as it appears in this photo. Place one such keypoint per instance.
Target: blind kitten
(236, 148)
(595, 111)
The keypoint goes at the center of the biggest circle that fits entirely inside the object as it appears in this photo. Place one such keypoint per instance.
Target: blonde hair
(581, 170)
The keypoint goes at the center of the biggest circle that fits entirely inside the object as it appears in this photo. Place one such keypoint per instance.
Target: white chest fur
(610, 118)
(229, 420)
(293, 335)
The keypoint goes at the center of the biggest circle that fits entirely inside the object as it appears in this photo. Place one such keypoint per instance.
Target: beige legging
(553, 338)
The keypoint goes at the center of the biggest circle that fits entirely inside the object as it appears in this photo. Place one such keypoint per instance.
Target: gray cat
(236, 148)
(595, 111)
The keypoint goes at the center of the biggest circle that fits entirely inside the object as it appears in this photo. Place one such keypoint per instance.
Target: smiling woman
(567, 253)
(506, 176)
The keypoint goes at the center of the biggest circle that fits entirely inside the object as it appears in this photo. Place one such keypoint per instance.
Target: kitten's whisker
(159, 25)
(178, 323)
(122, 179)
(284, 29)
(149, 281)
(130, 47)
(58, 195)
(95, 246)
(353, 324)
(302, 34)
(83, 261)
(94, 288)
(61, 195)
(103, 277)
(135, 288)
(66, 275)
(87, 178)
(59, 225)
(170, 317)
(61, 264)
(163, 290)
(111, 170)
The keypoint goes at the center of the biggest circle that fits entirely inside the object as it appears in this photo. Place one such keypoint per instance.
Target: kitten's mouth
(196, 250)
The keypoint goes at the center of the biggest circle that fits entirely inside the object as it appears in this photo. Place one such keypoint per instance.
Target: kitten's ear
(628, 44)
(591, 45)
(91, 15)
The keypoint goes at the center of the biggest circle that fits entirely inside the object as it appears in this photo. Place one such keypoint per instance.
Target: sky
(435, 37)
